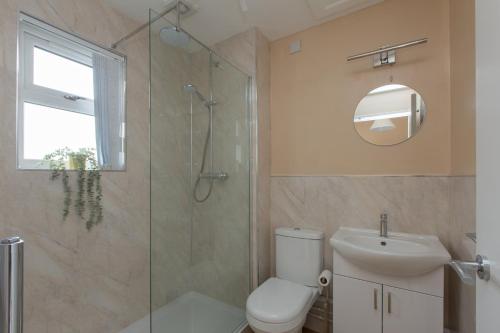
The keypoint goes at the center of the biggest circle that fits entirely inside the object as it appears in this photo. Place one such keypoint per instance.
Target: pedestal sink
(398, 255)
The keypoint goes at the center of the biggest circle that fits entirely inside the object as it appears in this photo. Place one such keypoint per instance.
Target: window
(71, 96)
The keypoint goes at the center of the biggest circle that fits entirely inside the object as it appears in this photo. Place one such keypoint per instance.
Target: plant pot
(77, 162)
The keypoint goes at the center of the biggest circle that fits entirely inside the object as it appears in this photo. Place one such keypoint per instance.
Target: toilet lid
(278, 301)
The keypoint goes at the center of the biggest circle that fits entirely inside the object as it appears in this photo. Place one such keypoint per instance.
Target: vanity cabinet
(368, 307)
(357, 306)
(411, 312)
(369, 302)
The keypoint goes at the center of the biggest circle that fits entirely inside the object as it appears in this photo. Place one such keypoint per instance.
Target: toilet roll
(324, 278)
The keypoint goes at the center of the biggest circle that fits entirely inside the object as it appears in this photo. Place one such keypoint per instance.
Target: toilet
(281, 303)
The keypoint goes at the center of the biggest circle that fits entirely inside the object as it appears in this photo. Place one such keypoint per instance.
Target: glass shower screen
(200, 186)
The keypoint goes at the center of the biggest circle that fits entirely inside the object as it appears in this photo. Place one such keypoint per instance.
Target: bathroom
(212, 166)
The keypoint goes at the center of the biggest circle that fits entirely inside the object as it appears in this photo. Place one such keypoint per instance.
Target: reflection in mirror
(389, 115)
(71, 101)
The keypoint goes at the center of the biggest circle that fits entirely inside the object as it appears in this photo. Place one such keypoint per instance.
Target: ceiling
(216, 20)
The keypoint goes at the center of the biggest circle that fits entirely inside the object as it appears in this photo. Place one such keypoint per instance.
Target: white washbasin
(398, 255)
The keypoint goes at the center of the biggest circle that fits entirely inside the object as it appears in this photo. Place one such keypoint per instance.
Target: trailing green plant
(88, 201)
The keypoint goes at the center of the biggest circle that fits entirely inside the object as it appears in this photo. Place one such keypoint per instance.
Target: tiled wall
(249, 51)
(170, 195)
(221, 225)
(78, 280)
(442, 206)
(208, 250)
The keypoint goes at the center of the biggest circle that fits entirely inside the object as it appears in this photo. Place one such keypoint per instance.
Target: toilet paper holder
(324, 280)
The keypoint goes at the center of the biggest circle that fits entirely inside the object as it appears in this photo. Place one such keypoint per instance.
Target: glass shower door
(200, 187)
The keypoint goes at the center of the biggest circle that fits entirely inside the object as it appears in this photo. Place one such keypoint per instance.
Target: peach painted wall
(314, 93)
(463, 83)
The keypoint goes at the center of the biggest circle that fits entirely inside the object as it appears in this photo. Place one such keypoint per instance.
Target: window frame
(33, 33)
(36, 94)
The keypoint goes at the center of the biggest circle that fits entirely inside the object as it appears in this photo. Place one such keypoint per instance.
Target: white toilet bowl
(280, 306)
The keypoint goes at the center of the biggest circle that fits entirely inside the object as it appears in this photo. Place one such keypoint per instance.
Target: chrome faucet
(383, 225)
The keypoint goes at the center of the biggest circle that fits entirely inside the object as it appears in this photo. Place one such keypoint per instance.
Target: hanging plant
(88, 201)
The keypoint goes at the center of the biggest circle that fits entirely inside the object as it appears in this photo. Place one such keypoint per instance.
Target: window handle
(73, 98)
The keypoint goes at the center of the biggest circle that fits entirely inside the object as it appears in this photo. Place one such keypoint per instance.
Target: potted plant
(88, 201)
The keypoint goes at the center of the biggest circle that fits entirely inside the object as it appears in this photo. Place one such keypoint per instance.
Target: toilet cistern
(281, 303)
(383, 225)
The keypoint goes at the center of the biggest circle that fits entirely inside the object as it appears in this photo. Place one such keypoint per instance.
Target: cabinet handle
(375, 299)
(389, 301)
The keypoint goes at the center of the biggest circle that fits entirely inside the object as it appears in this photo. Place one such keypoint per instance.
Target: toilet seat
(279, 305)
(294, 326)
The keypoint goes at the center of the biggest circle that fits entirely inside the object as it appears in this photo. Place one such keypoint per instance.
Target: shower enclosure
(200, 186)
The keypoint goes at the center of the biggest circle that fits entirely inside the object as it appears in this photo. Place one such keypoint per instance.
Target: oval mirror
(389, 115)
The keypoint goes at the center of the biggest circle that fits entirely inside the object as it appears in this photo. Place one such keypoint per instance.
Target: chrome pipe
(11, 285)
(388, 49)
(178, 16)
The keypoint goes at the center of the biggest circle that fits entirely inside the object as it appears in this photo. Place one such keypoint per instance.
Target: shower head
(191, 89)
(174, 37)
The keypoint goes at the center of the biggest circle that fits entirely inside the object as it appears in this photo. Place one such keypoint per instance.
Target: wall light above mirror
(71, 100)
(389, 115)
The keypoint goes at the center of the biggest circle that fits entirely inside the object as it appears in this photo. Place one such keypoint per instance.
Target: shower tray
(193, 313)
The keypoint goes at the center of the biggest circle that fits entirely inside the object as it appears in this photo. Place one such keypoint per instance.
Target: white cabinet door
(411, 312)
(357, 306)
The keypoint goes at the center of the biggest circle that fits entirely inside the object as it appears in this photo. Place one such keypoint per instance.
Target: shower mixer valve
(221, 175)
(211, 102)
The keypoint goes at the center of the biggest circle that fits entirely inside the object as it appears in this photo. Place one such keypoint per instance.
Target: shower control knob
(221, 175)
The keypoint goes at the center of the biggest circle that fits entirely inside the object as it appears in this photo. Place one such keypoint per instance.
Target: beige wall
(313, 97)
(314, 93)
(76, 280)
(463, 87)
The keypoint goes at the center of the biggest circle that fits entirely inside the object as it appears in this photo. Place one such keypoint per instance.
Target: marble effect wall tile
(250, 52)
(442, 206)
(171, 221)
(462, 309)
(263, 137)
(76, 280)
(200, 246)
